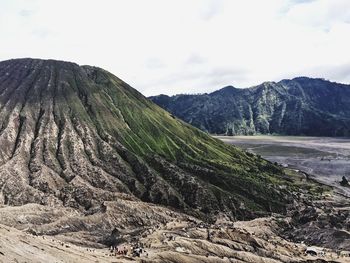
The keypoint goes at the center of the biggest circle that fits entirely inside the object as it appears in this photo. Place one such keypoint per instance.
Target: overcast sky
(185, 46)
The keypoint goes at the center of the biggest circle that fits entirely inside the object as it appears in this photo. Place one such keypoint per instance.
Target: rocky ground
(176, 241)
(54, 234)
(323, 222)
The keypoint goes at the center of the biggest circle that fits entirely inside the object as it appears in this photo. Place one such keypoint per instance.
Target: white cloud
(168, 46)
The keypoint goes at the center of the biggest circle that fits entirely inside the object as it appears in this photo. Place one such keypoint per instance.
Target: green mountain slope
(301, 106)
(79, 136)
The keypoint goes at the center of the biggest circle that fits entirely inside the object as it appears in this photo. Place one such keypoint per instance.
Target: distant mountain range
(300, 106)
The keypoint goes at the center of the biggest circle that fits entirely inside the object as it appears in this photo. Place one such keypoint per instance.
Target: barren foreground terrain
(253, 241)
(37, 233)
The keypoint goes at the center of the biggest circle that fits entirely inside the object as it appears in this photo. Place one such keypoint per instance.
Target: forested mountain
(301, 106)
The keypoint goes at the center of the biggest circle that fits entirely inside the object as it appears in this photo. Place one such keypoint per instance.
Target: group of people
(119, 250)
(135, 251)
(138, 251)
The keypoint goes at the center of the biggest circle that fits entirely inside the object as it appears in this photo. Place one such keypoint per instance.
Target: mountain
(79, 138)
(301, 106)
(87, 163)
